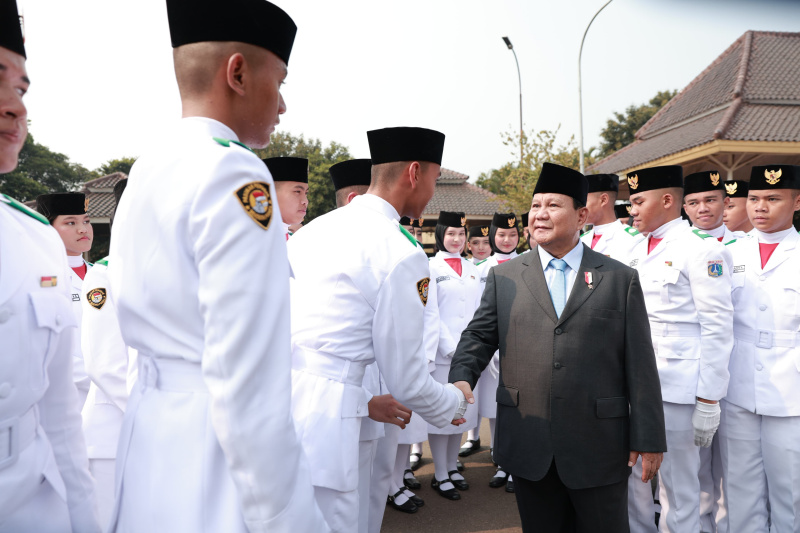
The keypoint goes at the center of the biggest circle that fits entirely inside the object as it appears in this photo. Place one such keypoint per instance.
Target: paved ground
(481, 509)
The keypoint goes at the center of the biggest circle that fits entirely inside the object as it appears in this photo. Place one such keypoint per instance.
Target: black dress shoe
(419, 502)
(410, 481)
(450, 494)
(510, 485)
(470, 447)
(460, 484)
(498, 481)
(407, 507)
(416, 461)
(459, 466)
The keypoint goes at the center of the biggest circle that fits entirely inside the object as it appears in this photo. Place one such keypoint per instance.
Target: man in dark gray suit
(579, 398)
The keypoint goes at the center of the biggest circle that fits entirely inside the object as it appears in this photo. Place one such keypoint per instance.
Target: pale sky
(103, 84)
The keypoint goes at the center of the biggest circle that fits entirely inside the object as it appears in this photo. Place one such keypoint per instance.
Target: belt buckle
(764, 338)
(10, 425)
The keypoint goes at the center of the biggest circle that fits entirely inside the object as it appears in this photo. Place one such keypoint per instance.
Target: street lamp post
(511, 47)
(580, 96)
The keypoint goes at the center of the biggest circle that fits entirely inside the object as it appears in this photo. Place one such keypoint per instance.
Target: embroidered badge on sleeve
(715, 269)
(96, 298)
(256, 202)
(422, 290)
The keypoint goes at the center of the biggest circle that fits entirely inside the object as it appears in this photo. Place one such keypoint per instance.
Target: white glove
(462, 401)
(705, 421)
(450, 355)
(494, 366)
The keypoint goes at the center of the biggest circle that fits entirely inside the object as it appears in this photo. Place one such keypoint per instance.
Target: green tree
(122, 164)
(321, 195)
(41, 171)
(621, 130)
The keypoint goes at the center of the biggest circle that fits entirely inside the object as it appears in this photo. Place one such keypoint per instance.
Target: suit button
(762, 307)
(556, 365)
(558, 331)
(759, 367)
(5, 314)
(5, 390)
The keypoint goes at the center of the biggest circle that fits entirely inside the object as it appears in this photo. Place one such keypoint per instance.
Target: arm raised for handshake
(465, 397)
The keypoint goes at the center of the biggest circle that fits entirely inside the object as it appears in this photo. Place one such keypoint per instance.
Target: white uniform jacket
(106, 360)
(765, 364)
(201, 281)
(686, 283)
(367, 306)
(40, 425)
(78, 366)
(617, 240)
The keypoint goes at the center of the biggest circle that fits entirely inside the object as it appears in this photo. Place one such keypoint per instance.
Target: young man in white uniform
(45, 484)
(291, 186)
(608, 235)
(705, 202)
(359, 310)
(201, 278)
(686, 284)
(760, 430)
(735, 216)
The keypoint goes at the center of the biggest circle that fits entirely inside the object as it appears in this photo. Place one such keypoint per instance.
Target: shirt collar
(716, 232)
(214, 128)
(377, 203)
(602, 229)
(573, 257)
(447, 255)
(662, 231)
(772, 238)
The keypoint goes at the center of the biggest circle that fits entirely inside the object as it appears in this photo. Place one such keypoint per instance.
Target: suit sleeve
(479, 340)
(244, 300)
(647, 430)
(397, 338)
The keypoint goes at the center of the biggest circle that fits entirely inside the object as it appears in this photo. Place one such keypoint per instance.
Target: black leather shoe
(510, 485)
(410, 481)
(416, 461)
(407, 507)
(460, 484)
(459, 466)
(450, 494)
(419, 502)
(498, 481)
(470, 447)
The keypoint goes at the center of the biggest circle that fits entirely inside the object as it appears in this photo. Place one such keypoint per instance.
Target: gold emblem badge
(96, 298)
(413, 220)
(485, 232)
(730, 188)
(421, 221)
(422, 290)
(714, 179)
(773, 176)
(86, 204)
(633, 182)
(628, 209)
(256, 202)
(512, 221)
(463, 221)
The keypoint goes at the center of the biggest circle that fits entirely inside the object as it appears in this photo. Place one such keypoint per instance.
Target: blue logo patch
(715, 269)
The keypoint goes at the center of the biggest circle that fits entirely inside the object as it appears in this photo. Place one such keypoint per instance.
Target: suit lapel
(533, 276)
(580, 290)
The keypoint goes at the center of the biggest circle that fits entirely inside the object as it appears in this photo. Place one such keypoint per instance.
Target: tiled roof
(100, 192)
(749, 93)
(105, 182)
(453, 193)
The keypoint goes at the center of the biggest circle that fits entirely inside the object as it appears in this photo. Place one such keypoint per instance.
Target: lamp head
(508, 43)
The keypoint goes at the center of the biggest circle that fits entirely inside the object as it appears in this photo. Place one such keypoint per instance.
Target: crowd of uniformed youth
(255, 408)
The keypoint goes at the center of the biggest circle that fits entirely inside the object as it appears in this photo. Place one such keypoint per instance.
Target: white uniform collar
(214, 128)
(573, 257)
(661, 231)
(602, 229)
(376, 203)
(716, 232)
(75, 261)
(772, 238)
(501, 257)
(447, 255)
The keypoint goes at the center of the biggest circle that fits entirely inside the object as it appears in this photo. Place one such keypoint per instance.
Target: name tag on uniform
(442, 278)
(76, 297)
(634, 263)
(483, 280)
(738, 268)
(48, 281)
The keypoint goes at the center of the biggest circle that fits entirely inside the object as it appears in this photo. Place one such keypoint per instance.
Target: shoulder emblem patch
(256, 201)
(633, 232)
(422, 289)
(96, 298)
(715, 269)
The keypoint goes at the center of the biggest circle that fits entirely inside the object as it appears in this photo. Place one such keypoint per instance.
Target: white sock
(438, 445)
(416, 448)
(492, 425)
(401, 498)
(400, 463)
(453, 444)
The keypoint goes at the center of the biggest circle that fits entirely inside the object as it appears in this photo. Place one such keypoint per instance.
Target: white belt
(663, 329)
(767, 338)
(16, 434)
(170, 374)
(326, 366)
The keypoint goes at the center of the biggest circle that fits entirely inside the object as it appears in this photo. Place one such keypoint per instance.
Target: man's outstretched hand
(651, 462)
(385, 408)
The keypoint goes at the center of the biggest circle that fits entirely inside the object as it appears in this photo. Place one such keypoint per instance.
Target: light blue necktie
(558, 288)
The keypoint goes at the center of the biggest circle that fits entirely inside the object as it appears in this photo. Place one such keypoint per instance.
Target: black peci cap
(705, 181)
(405, 221)
(504, 220)
(736, 188)
(622, 210)
(11, 28)
(351, 173)
(562, 180)
(452, 219)
(603, 182)
(405, 144)
(288, 168)
(478, 231)
(255, 22)
(650, 179)
(524, 220)
(770, 177)
(415, 223)
(61, 203)
(119, 188)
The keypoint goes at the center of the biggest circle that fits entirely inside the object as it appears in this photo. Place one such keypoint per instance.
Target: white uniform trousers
(366, 459)
(641, 508)
(45, 508)
(103, 471)
(382, 470)
(713, 512)
(761, 470)
(678, 479)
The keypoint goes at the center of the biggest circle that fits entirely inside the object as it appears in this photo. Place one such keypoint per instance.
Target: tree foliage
(122, 164)
(321, 194)
(621, 130)
(514, 182)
